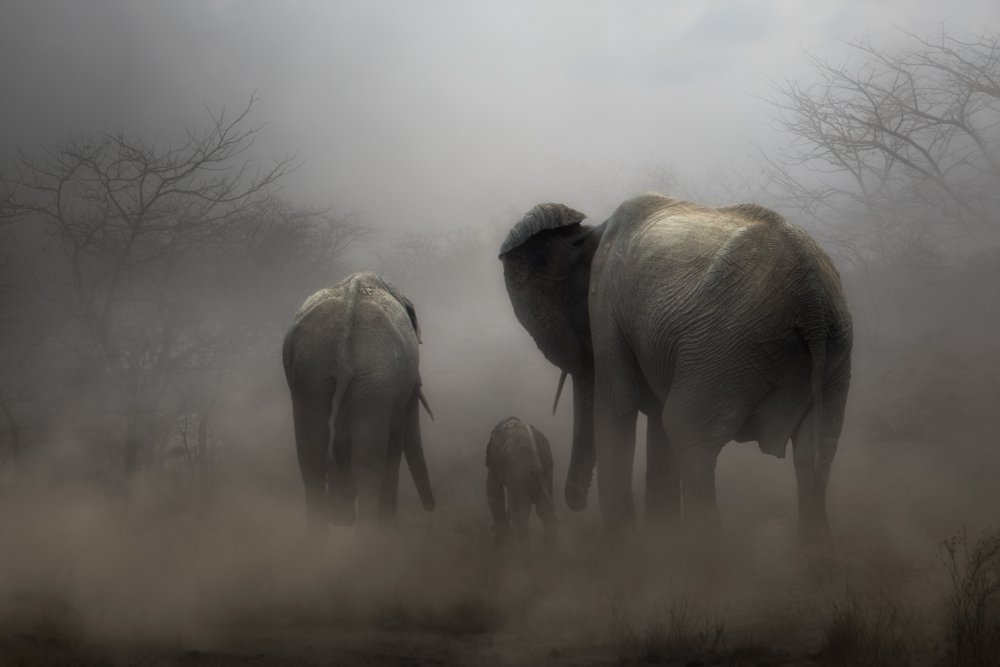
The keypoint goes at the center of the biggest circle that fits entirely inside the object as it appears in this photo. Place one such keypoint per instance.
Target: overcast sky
(441, 114)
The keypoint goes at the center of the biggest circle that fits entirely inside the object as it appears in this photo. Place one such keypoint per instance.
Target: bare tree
(13, 321)
(160, 244)
(906, 140)
(893, 157)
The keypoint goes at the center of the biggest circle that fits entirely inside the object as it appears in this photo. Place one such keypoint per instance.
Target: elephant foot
(551, 539)
(341, 511)
(315, 534)
(576, 496)
(814, 533)
(814, 528)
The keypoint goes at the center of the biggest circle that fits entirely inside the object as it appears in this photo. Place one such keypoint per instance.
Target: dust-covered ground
(213, 568)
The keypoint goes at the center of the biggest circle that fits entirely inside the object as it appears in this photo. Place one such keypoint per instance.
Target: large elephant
(719, 324)
(351, 361)
(519, 477)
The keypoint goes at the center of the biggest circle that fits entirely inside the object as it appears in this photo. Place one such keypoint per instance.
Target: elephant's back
(657, 250)
(661, 240)
(679, 256)
(511, 450)
(686, 280)
(383, 340)
(355, 328)
(309, 352)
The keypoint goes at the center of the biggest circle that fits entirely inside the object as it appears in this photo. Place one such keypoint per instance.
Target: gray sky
(441, 114)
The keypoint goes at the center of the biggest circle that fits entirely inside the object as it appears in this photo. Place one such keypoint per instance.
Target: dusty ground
(171, 571)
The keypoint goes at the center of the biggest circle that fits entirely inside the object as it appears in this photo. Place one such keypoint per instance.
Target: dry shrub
(873, 633)
(973, 626)
(470, 616)
(662, 633)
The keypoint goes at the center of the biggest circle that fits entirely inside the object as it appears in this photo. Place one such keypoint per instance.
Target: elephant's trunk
(582, 458)
(413, 449)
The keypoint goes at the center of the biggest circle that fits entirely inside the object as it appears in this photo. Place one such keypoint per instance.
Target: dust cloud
(173, 561)
(151, 508)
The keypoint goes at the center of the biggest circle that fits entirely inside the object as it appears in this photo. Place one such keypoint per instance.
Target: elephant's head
(546, 260)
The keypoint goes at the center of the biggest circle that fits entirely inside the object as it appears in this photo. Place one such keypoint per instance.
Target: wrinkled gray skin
(351, 361)
(519, 466)
(719, 324)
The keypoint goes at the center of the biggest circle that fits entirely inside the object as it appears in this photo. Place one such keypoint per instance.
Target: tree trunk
(132, 422)
(204, 456)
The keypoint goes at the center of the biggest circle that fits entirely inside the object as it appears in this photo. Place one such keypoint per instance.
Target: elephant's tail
(342, 370)
(413, 449)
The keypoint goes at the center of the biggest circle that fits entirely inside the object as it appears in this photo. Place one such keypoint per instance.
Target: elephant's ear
(406, 303)
(540, 218)
(412, 312)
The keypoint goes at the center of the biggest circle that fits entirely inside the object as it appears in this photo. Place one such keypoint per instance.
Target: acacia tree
(894, 158)
(156, 242)
(906, 144)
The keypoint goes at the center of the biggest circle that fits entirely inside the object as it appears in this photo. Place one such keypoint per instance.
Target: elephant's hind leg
(389, 499)
(811, 485)
(370, 427)
(341, 492)
(813, 448)
(520, 500)
(311, 414)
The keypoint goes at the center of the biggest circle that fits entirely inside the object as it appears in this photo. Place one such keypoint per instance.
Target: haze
(151, 507)
(436, 115)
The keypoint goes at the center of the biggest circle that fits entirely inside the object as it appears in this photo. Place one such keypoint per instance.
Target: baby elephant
(518, 460)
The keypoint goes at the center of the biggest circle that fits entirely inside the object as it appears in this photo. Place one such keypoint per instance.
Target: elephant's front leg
(615, 412)
(663, 485)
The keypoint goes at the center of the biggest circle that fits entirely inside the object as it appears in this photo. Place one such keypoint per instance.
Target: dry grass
(677, 632)
(973, 621)
(475, 615)
(876, 633)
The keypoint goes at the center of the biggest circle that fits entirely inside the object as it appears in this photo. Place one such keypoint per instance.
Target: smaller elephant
(519, 462)
(352, 365)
